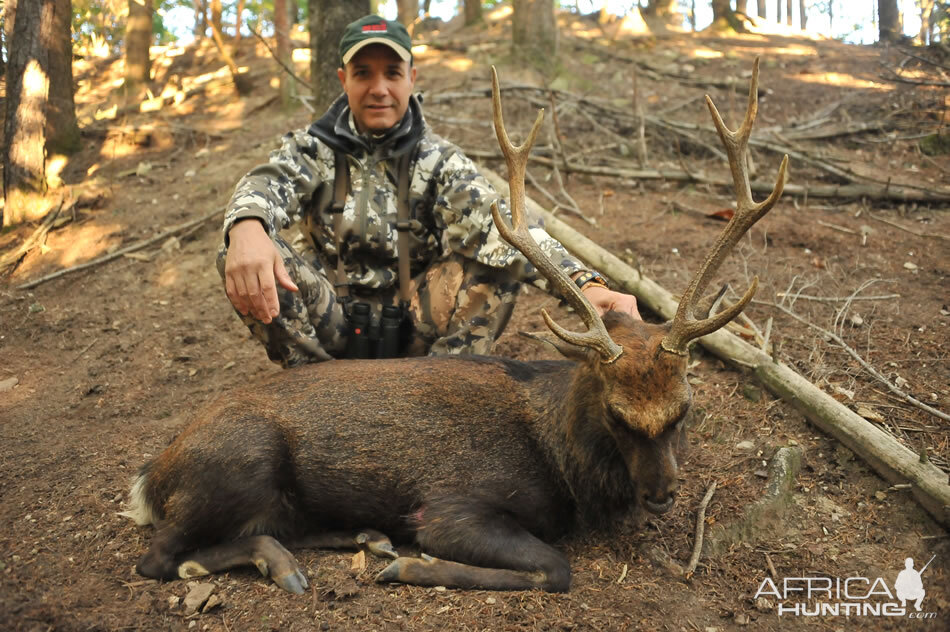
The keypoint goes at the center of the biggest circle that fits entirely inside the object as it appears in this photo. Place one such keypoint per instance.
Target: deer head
(635, 373)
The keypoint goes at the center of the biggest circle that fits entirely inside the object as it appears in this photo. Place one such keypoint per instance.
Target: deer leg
(373, 541)
(490, 550)
(263, 551)
(164, 559)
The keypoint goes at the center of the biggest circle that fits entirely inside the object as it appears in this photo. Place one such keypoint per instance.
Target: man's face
(377, 83)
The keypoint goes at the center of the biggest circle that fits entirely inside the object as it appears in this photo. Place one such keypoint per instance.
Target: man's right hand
(252, 266)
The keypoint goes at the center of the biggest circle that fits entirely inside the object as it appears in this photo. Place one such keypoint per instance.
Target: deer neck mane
(574, 436)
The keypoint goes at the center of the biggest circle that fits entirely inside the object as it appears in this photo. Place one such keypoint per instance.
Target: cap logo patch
(375, 28)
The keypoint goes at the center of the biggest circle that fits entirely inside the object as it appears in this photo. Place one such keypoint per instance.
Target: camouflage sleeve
(275, 192)
(464, 205)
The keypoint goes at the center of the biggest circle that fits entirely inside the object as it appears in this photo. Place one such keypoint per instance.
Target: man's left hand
(605, 300)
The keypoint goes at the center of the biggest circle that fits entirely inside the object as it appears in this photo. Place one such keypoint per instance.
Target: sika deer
(478, 460)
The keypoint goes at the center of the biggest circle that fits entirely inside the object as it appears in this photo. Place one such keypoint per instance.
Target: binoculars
(385, 337)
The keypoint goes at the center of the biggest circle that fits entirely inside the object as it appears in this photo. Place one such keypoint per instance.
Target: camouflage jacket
(449, 200)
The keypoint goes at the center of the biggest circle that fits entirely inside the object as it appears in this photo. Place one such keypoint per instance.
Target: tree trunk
(692, 14)
(802, 13)
(201, 19)
(761, 9)
(724, 16)
(24, 158)
(9, 16)
(282, 35)
(534, 33)
(831, 16)
(328, 18)
(788, 12)
(778, 11)
(741, 6)
(237, 20)
(888, 20)
(62, 131)
(660, 8)
(473, 11)
(407, 11)
(926, 10)
(216, 11)
(138, 38)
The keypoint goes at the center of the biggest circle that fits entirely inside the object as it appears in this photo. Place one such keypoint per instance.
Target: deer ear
(569, 351)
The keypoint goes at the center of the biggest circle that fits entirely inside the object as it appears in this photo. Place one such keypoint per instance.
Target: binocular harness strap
(402, 228)
(341, 182)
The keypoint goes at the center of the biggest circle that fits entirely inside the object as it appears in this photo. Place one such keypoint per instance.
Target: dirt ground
(107, 359)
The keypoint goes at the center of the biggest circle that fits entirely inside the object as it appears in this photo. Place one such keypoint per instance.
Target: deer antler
(736, 144)
(519, 236)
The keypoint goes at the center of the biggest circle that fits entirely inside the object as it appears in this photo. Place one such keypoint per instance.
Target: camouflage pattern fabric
(449, 201)
(458, 307)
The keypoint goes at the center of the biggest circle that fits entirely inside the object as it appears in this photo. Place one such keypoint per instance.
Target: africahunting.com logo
(850, 596)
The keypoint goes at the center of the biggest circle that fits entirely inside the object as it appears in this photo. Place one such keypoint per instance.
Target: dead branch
(599, 109)
(923, 59)
(280, 63)
(35, 239)
(557, 205)
(883, 452)
(118, 253)
(905, 229)
(557, 134)
(838, 299)
(841, 229)
(700, 527)
(896, 77)
(844, 129)
(910, 399)
(641, 122)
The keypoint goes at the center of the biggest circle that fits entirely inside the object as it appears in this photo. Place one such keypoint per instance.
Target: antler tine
(748, 212)
(520, 237)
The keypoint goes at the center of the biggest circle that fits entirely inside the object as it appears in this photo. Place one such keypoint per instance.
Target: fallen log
(884, 453)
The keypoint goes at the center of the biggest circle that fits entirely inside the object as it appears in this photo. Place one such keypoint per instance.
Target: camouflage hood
(334, 130)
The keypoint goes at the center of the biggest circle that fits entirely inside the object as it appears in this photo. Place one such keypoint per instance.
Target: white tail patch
(139, 509)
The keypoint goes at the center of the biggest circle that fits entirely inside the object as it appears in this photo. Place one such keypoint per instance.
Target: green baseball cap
(375, 30)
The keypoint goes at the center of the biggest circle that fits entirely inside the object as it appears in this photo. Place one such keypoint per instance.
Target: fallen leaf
(358, 563)
(870, 414)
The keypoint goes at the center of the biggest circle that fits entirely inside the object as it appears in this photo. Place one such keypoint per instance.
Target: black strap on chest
(341, 184)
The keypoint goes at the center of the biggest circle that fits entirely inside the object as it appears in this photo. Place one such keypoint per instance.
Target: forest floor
(105, 360)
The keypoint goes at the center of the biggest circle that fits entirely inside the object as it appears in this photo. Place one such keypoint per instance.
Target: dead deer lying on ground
(479, 460)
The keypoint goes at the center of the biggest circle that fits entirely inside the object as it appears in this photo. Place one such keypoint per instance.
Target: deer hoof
(377, 544)
(293, 582)
(398, 570)
(383, 549)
